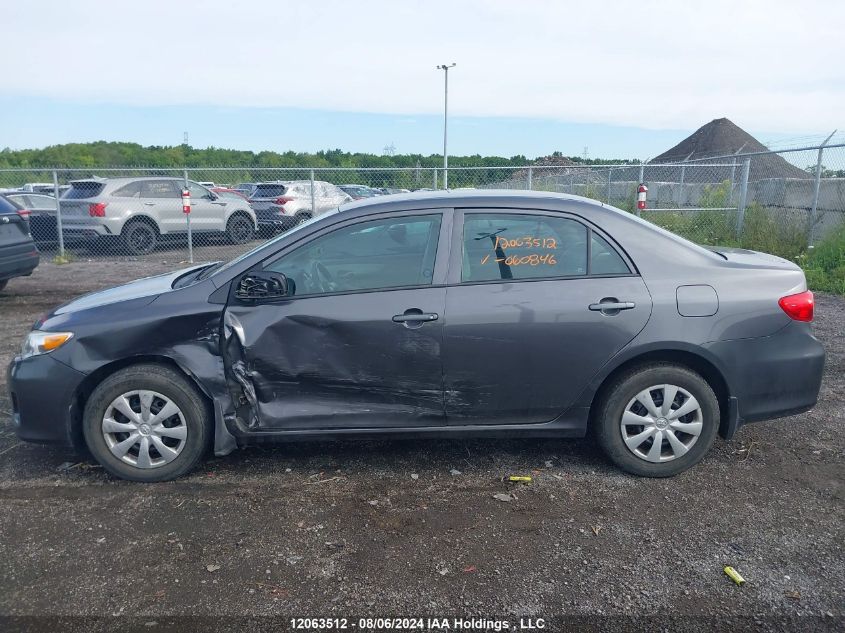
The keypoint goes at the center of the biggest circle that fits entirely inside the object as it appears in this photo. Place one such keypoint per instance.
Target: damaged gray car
(473, 313)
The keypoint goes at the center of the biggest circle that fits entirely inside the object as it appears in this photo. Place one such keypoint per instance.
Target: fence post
(58, 215)
(434, 184)
(642, 180)
(188, 220)
(530, 178)
(743, 197)
(811, 230)
(313, 195)
(681, 190)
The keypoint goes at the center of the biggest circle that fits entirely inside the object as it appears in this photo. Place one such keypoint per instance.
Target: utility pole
(445, 68)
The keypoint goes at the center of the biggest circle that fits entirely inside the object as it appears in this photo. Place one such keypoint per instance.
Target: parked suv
(138, 212)
(280, 205)
(18, 254)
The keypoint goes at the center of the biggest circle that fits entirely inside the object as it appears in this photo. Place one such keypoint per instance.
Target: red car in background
(231, 194)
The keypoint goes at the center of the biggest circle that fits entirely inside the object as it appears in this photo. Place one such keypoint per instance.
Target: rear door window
(159, 189)
(516, 246)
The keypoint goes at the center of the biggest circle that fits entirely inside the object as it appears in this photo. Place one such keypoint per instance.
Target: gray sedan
(476, 313)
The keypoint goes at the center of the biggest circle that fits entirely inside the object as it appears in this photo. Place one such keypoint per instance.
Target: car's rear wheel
(146, 423)
(657, 420)
(301, 218)
(240, 229)
(139, 238)
(3, 284)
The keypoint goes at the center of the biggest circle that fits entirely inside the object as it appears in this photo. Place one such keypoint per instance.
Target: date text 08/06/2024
(416, 624)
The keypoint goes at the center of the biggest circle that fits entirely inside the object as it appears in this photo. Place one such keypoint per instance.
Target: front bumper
(773, 376)
(42, 390)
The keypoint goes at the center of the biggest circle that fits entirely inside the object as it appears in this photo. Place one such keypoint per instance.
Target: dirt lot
(395, 528)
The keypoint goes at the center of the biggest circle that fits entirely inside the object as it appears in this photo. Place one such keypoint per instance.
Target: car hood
(147, 287)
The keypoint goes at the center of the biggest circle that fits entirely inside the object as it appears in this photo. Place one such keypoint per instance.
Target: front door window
(373, 255)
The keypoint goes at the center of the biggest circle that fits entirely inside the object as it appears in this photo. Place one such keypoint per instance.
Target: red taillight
(97, 209)
(798, 307)
(24, 213)
(282, 200)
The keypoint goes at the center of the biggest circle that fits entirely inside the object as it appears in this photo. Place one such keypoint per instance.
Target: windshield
(268, 244)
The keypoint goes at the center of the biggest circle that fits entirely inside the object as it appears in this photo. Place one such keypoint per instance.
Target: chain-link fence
(776, 202)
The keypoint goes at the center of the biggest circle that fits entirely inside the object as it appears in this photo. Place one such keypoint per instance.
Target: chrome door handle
(149, 204)
(612, 305)
(415, 316)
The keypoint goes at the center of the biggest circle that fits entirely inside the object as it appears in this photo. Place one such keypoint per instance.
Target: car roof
(469, 198)
(123, 179)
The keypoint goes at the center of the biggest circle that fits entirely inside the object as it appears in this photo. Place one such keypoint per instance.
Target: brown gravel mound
(721, 137)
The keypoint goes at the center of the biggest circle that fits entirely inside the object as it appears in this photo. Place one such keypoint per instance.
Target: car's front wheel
(146, 423)
(657, 420)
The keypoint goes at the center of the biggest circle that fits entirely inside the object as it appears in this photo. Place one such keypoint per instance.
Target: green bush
(824, 265)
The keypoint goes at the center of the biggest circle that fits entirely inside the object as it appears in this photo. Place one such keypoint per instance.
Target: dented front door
(338, 354)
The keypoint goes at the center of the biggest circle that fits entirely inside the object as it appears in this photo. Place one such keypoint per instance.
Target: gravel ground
(400, 528)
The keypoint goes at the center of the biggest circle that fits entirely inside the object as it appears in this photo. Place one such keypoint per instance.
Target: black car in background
(18, 254)
(40, 208)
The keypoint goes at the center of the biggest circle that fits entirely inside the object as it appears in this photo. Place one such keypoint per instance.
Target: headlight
(38, 342)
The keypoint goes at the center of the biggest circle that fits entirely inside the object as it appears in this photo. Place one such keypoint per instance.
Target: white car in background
(281, 204)
(139, 213)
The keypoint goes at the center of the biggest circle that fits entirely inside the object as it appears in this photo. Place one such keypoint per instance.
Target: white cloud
(768, 65)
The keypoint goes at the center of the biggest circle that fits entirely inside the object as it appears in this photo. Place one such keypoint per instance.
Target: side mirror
(260, 286)
(212, 196)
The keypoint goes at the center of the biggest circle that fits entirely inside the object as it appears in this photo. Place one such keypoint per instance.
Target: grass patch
(67, 258)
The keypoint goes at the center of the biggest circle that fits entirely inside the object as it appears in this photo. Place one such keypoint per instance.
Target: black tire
(607, 418)
(168, 383)
(3, 284)
(139, 238)
(240, 229)
(300, 218)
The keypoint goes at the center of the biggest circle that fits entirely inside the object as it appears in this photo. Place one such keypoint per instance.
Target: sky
(622, 79)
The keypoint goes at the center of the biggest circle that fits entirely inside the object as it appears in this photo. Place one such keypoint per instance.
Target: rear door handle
(150, 204)
(610, 306)
(618, 305)
(415, 316)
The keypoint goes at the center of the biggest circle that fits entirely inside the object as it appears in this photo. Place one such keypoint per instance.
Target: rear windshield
(269, 191)
(84, 189)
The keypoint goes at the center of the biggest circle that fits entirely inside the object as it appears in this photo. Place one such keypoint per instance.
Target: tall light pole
(445, 68)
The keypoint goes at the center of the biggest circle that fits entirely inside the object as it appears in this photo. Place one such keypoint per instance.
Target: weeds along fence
(776, 202)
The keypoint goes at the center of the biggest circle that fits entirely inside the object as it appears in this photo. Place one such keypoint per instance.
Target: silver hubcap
(144, 429)
(661, 423)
